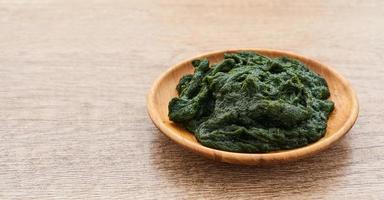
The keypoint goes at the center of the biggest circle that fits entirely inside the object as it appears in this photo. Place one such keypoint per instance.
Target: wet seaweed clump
(252, 103)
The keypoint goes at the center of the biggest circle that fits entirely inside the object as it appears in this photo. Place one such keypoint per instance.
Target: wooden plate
(341, 119)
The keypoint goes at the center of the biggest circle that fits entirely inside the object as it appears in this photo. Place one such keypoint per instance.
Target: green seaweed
(252, 103)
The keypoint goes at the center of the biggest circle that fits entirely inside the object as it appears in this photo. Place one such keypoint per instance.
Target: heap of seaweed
(252, 103)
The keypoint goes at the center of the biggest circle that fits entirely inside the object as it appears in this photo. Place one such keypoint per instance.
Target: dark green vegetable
(252, 103)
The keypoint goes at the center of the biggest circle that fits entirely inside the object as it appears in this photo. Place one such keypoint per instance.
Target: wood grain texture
(74, 76)
(340, 121)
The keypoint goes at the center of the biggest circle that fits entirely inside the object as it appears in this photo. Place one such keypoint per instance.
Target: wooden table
(74, 77)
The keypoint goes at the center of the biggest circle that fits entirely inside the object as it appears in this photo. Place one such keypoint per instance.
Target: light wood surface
(340, 121)
(74, 76)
